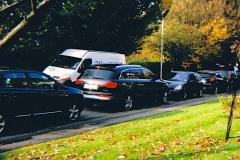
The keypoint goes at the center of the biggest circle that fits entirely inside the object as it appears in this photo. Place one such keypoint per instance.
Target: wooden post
(230, 117)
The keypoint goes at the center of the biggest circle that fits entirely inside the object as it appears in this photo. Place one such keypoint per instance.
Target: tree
(194, 31)
(112, 25)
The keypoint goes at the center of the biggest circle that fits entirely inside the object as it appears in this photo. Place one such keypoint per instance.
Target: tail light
(78, 82)
(212, 78)
(111, 85)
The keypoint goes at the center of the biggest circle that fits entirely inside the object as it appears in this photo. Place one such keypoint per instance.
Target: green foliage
(226, 102)
(111, 25)
(194, 31)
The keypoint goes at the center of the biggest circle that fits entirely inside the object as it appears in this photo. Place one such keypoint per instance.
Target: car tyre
(127, 103)
(184, 95)
(74, 112)
(200, 93)
(165, 98)
(2, 124)
(216, 91)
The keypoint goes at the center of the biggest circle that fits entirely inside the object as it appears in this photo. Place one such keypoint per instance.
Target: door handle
(140, 84)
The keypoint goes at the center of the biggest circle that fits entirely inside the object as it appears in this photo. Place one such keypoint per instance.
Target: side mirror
(154, 78)
(80, 69)
(55, 87)
(190, 80)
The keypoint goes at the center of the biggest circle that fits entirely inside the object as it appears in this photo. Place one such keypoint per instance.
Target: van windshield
(66, 62)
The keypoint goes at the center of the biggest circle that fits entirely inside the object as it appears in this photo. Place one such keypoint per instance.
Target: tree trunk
(22, 24)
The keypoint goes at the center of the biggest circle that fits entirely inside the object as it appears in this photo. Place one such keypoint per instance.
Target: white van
(72, 62)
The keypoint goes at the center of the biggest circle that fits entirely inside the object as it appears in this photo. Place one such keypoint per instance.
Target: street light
(161, 52)
(162, 45)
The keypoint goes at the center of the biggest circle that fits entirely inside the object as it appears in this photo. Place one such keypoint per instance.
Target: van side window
(14, 80)
(40, 81)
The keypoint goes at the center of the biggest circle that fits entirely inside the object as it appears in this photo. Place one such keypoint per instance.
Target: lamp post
(161, 52)
(163, 14)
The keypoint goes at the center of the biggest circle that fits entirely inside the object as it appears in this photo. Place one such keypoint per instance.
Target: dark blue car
(122, 86)
(26, 94)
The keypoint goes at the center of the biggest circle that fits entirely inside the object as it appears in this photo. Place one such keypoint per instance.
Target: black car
(185, 84)
(26, 94)
(213, 81)
(121, 85)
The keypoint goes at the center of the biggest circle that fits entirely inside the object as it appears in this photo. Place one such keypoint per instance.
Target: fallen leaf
(121, 157)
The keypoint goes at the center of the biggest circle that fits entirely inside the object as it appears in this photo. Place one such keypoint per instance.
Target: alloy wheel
(216, 90)
(128, 103)
(2, 123)
(184, 95)
(165, 97)
(74, 112)
(200, 93)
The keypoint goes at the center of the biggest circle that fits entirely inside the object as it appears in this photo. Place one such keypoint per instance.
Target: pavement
(47, 130)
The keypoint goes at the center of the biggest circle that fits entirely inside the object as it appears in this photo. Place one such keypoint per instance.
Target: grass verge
(193, 133)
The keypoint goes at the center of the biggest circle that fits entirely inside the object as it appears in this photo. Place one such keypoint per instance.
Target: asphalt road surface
(30, 132)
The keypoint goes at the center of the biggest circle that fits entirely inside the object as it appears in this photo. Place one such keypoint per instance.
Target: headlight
(178, 88)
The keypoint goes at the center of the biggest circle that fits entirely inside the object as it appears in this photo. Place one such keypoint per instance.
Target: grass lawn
(193, 133)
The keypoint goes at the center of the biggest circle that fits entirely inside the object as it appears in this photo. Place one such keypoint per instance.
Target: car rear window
(204, 75)
(181, 76)
(98, 74)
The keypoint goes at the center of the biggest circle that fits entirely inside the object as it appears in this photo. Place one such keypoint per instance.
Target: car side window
(197, 77)
(13, 80)
(147, 74)
(131, 74)
(218, 75)
(40, 81)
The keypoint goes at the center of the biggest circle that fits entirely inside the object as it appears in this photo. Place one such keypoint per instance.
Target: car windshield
(180, 77)
(66, 62)
(98, 74)
(204, 75)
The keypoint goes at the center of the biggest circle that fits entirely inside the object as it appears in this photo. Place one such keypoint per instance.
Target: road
(38, 131)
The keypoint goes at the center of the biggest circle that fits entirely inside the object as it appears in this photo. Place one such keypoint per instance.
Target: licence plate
(90, 86)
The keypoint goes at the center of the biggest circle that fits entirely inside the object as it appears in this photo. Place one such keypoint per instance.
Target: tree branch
(22, 24)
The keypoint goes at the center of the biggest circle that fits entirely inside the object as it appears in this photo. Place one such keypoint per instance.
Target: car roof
(187, 72)
(117, 67)
(20, 70)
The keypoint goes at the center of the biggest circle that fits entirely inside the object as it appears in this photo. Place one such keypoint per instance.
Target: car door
(130, 78)
(151, 87)
(50, 96)
(16, 96)
(193, 85)
(198, 82)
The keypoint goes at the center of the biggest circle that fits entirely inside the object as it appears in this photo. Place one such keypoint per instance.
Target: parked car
(121, 85)
(68, 66)
(185, 84)
(25, 94)
(213, 81)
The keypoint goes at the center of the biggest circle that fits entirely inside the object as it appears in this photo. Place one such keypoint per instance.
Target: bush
(227, 101)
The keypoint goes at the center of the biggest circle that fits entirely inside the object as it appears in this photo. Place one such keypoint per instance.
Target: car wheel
(2, 124)
(165, 98)
(184, 95)
(127, 103)
(216, 90)
(200, 93)
(74, 112)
